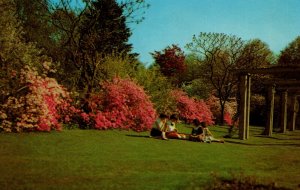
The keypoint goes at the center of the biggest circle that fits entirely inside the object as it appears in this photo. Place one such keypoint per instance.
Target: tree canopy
(171, 62)
(291, 54)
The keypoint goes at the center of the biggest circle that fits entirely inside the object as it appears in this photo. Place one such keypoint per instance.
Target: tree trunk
(222, 104)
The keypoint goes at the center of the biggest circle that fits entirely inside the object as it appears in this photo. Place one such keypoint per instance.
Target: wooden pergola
(287, 87)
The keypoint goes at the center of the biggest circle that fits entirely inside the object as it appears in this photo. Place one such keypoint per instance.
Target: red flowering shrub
(121, 104)
(230, 109)
(204, 112)
(190, 109)
(228, 118)
(171, 61)
(42, 104)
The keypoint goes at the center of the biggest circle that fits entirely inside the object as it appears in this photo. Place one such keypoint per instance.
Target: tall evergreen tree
(104, 29)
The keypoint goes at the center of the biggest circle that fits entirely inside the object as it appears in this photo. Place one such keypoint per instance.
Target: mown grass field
(90, 159)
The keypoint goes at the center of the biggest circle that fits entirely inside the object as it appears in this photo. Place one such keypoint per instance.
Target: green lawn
(90, 159)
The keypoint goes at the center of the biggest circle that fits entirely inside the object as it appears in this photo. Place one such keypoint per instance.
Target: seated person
(208, 136)
(171, 131)
(197, 132)
(159, 127)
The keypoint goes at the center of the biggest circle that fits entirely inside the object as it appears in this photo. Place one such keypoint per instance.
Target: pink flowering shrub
(41, 104)
(190, 109)
(121, 104)
(230, 109)
(228, 118)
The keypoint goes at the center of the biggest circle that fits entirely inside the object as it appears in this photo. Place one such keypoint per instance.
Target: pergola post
(244, 107)
(248, 105)
(283, 115)
(270, 110)
(293, 113)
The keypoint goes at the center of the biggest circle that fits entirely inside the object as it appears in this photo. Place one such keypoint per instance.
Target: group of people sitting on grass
(165, 128)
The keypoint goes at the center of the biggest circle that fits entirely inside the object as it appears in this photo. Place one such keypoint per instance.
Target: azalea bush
(190, 108)
(29, 100)
(40, 104)
(121, 104)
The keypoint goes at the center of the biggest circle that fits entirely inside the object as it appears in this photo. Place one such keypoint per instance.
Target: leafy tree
(158, 87)
(219, 52)
(15, 53)
(171, 62)
(102, 32)
(29, 100)
(255, 54)
(193, 81)
(291, 54)
(34, 16)
(90, 34)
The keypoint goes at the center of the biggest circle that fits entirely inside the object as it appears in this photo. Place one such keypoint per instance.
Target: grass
(90, 159)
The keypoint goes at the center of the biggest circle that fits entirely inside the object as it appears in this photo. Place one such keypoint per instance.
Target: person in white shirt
(159, 128)
(171, 130)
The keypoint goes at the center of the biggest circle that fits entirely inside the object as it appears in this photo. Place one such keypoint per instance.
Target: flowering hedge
(41, 104)
(190, 109)
(121, 104)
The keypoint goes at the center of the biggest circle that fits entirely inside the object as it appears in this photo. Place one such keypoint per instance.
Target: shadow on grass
(263, 144)
(267, 137)
(141, 136)
(290, 137)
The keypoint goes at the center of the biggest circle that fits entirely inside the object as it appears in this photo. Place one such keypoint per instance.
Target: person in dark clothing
(197, 132)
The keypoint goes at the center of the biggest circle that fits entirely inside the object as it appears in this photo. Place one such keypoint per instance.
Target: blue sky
(276, 22)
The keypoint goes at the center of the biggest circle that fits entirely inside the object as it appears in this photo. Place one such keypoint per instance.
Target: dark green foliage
(103, 29)
(15, 53)
(34, 17)
(158, 87)
(291, 54)
(194, 78)
(255, 54)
